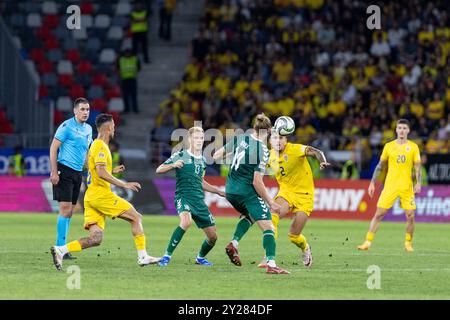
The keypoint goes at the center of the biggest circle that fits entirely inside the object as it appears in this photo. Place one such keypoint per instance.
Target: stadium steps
(156, 81)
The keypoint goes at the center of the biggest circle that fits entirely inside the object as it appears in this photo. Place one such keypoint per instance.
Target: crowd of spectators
(317, 61)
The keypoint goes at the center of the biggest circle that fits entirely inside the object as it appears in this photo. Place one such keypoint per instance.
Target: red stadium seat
(116, 117)
(45, 66)
(6, 127)
(100, 79)
(99, 104)
(58, 117)
(73, 55)
(76, 91)
(113, 92)
(37, 55)
(43, 32)
(43, 91)
(87, 8)
(65, 80)
(51, 43)
(51, 21)
(84, 67)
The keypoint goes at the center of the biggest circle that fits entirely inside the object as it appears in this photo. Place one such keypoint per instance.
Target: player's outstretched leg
(175, 239)
(374, 225)
(135, 219)
(94, 239)
(207, 245)
(232, 248)
(270, 247)
(409, 230)
(297, 238)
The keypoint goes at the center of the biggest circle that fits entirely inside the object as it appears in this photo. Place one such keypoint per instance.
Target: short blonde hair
(195, 129)
(262, 122)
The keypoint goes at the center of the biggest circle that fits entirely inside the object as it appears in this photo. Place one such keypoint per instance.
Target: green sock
(269, 244)
(177, 235)
(206, 247)
(242, 228)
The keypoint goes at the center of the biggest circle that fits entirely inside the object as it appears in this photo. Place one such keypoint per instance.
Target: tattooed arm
(381, 166)
(319, 155)
(418, 186)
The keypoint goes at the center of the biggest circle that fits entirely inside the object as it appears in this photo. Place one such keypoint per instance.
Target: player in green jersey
(246, 191)
(189, 196)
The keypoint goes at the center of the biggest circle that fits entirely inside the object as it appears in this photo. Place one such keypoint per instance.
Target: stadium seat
(45, 67)
(105, 8)
(64, 67)
(123, 8)
(83, 79)
(76, 91)
(99, 104)
(87, 7)
(116, 117)
(73, 55)
(34, 20)
(93, 44)
(87, 21)
(30, 6)
(107, 55)
(43, 91)
(79, 34)
(70, 43)
(116, 104)
(55, 55)
(65, 80)
(95, 92)
(51, 21)
(17, 20)
(49, 7)
(43, 32)
(84, 67)
(51, 43)
(64, 104)
(100, 79)
(113, 92)
(37, 55)
(120, 21)
(49, 79)
(115, 33)
(58, 117)
(102, 21)
(62, 33)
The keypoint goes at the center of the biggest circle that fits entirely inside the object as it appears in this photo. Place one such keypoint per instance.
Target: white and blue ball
(284, 126)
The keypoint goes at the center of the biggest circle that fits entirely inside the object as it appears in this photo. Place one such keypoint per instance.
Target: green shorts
(198, 210)
(250, 205)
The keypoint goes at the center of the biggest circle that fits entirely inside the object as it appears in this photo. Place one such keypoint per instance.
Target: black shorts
(68, 187)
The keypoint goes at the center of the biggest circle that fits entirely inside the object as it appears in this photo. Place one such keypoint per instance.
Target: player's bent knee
(65, 209)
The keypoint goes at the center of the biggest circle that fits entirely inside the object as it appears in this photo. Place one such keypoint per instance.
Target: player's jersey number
(237, 159)
(401, 158)
(282, 171)
(89, 178)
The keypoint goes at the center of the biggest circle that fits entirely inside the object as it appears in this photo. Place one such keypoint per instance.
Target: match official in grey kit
(73, 138)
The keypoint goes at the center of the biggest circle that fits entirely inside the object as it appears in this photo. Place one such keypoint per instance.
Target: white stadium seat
(107, 56)
(87, 21)
(123, 8)
(115, 33)
(49, 7)
(65, 67)
(34, 20)
(64, 104)
(102, 21)
(116, 105)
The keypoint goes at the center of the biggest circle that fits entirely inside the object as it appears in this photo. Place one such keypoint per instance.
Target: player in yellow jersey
(399, 157)
(100, 202)
(291, 167)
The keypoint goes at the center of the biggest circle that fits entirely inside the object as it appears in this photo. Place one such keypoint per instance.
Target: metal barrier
(19, 93)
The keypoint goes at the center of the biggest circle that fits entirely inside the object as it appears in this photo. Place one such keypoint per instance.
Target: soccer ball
(284, 126)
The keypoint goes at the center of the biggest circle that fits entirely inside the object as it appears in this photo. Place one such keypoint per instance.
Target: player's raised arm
(213, 189)
(173, 162)
(319, 155)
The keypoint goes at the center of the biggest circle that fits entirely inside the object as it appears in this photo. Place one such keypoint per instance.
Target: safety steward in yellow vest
(129, 66)
(139, 29)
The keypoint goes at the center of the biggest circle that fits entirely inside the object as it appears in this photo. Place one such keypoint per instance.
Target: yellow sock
(139, 241)
(299, 241)
(275, 220)
(370, 236)
(74, 246)
(408, 237)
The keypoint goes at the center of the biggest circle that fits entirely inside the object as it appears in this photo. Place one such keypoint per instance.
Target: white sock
(63, 249)
(235, 243)
(271, 263)
(142, 253)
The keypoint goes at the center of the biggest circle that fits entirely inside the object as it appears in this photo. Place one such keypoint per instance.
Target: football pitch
(111, 272)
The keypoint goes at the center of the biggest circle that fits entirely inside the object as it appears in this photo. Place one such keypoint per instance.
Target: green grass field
(110, 271)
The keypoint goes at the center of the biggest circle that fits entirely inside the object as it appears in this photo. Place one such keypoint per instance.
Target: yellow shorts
(388, 197)
(109, 205)
(297, 201)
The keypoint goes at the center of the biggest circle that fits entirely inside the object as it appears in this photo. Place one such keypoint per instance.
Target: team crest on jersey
(408, 148)
(101, 155)
(285, 156)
